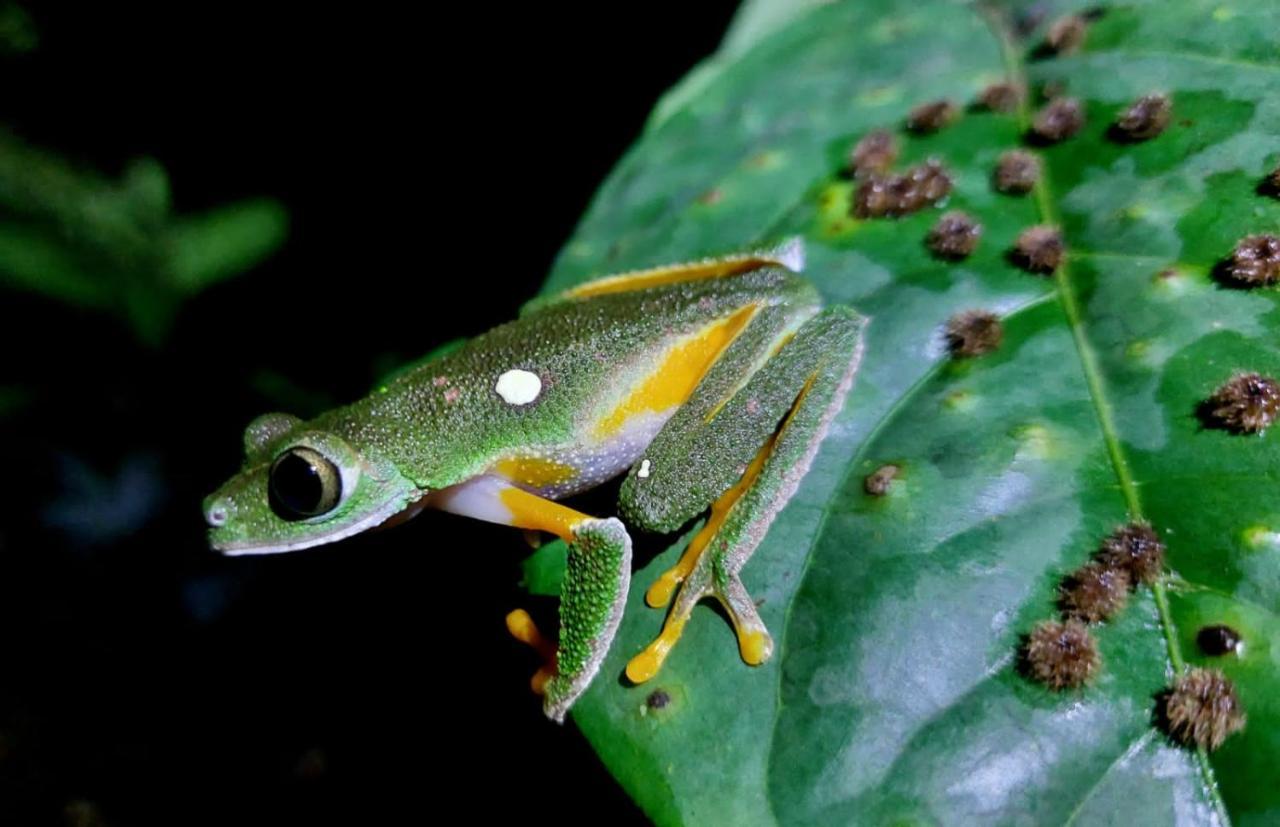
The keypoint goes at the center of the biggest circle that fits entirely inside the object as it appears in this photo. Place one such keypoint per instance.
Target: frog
(707, 385)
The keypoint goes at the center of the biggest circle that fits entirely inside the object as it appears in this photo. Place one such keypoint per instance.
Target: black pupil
(297, 486)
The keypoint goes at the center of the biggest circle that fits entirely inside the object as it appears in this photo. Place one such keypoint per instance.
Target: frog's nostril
(215, 515)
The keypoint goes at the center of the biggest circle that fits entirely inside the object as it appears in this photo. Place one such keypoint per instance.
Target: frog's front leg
(791, 400)
(595, 583)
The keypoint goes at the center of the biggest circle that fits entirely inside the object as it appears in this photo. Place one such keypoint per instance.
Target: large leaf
(893, 695)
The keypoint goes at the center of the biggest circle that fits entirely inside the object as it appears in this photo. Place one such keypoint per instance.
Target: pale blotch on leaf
(1176, 281)
(766, 160)
(879, 96)
(1260, 537)
(1034, 442)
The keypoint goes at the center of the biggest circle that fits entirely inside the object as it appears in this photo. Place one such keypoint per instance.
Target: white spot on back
(518, 387)
(644, 470)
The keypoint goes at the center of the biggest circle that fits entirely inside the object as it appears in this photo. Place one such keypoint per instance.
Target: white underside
(480, 497)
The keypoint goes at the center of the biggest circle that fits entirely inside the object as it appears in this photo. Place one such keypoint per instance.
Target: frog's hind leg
(595, 583)
(788, 254)
(799, 390)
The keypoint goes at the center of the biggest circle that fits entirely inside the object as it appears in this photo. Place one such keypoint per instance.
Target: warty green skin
(443, 425)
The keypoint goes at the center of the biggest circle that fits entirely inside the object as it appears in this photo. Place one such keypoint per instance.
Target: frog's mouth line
(377, 518)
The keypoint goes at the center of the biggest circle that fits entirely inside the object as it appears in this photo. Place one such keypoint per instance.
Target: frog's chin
(238, 548)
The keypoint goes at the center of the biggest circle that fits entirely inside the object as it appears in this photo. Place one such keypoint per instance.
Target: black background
(432, 162)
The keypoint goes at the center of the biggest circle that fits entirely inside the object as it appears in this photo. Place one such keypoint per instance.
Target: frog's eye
(303, 484)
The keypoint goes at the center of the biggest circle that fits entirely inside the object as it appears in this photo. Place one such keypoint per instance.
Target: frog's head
(300, 487)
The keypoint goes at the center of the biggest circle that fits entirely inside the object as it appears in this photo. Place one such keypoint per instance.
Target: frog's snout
(215, 512)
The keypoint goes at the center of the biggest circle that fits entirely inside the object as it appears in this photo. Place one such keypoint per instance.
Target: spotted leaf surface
(897, 692)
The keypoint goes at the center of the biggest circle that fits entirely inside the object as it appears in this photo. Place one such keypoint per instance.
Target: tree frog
(710, 384)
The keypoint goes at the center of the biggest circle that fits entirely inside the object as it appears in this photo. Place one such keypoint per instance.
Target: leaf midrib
(1016, 69)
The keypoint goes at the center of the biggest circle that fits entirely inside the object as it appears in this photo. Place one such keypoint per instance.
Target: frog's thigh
(813, 373)
(789, 254)
(595, 585)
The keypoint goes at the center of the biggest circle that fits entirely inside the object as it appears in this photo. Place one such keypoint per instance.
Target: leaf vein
(1044, 201)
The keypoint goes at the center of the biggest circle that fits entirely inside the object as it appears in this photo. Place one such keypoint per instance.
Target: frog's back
(547, 381)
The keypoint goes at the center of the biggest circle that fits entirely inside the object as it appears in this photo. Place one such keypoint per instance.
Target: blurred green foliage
(17, 33)
(78, 237)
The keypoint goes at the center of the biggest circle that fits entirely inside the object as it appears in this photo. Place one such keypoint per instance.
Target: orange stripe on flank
(673, 381)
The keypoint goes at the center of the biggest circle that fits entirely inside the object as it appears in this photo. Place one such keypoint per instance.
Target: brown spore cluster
(955, 236)
(891, 196)
(1017, 172)
(1099, 590)
(658, 699)
(1246, 404)
(1060, 119)
(1066, 34)
(1001, 97)
(1039, 249)
(1136, 548)
(932, 116)
(875, 153)
(1202, 709)
(1061, 655)
(1255, 261)
(974, 333)
(1095, 593)
(878, 482)
(1145, 118)
(1271, 184)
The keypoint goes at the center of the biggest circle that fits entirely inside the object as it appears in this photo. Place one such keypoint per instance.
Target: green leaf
(225, 241)
(893, 695)
(34, 259)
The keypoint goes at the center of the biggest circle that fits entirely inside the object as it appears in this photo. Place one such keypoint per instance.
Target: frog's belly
(563, 470)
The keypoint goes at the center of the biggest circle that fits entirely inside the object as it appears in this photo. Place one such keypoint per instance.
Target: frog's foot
(708, 568)
(591, 602)
(523, 629)
(595, 586)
